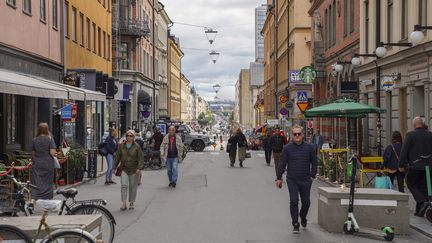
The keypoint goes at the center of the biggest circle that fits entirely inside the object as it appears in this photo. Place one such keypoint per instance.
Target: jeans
(400, 180)
(268, 156)
(172, 168)
(276, 158)
(109, 171)
(302, 187)
(129, 182)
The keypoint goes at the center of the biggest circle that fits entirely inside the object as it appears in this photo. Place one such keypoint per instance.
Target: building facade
(260, 17)
(256, 86)
(185, 100)
(174, 77)
(407, 69)
(335, 37)
(193, 105)
(245, 99)
(269, 64)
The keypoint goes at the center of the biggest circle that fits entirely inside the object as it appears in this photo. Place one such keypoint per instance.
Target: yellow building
(174, 78)
(293, 48)
(185, 99)
(88, 35)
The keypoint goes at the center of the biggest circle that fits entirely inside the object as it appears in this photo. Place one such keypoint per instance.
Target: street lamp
(216, 88)
(417, 35)
(381, 51)
(214, 56)
(211, 34)
(356, 61)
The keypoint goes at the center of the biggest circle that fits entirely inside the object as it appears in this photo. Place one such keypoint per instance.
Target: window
(11, 119)
(54, 14)
(366, 26)
(67, 19)
(103, 3)
(422, 12)
(389, 20)
(99, 42)
(74, 24)
(43, 11)
(345, 13)
(94, 37)
(109, 47)
(124, 55)
(334, 24)
(88, 33)
(81, 26)
(11, 3)
(27, 6)
(352, 13)
(104, 44)
(326, 30)
(404, 19)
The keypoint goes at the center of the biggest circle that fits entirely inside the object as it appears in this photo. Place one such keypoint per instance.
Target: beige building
(406, 69)
(293, 49)
(245, 107)
(185, 100)
(174, 78)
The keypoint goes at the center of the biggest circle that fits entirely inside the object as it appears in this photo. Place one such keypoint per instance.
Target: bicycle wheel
(9, 233)
(108, 221)
(71, 236)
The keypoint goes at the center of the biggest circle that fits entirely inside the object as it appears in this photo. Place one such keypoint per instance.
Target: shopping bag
(383, 182)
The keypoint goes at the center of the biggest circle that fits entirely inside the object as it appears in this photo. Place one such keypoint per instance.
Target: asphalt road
(215, 203)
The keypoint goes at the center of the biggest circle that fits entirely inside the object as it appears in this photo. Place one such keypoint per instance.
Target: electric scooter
(351, 226)
(428, 205)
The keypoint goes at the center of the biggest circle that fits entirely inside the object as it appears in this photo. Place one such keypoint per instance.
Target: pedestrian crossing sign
(302, 97)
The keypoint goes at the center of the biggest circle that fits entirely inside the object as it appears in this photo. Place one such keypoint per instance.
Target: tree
(202, 119)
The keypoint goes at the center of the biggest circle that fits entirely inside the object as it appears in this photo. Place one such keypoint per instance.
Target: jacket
(158, 138)
(131, 159)
(233, 141)
(277, 142)
(417, 143)
(111, 144)
(300, 160)
(179, 145)
(241, 140)
(318, 138)
(266, 143)
(392, 160)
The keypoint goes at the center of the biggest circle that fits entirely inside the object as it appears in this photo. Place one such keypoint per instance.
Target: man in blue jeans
(172, 151)
(300, 159)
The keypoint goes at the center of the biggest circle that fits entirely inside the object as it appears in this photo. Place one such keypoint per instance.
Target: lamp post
(211, 34)
(417, 35)
(381, 51)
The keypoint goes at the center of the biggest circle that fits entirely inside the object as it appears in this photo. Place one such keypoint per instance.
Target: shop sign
(308, 74)
(294, 76)
(388, 83)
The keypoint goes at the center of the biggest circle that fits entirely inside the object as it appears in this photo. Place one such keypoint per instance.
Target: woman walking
(43, 151)
(392, 160)
(232, 149)
(130, 161)
(111, 148)
(242, 146)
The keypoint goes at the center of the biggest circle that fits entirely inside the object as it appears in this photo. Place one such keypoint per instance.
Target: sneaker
(304, 223)
(241, 164)
(174, 185)
(107, 183)
(232, 164)
(296, 229)
(112, 182)
(170, 185)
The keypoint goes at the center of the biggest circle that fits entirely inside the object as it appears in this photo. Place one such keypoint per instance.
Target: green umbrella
(343, 108)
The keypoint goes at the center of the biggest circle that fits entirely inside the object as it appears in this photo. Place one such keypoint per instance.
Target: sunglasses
(129, 135)
(297, 134)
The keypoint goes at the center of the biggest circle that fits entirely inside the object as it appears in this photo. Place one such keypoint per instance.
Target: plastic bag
(383, 182)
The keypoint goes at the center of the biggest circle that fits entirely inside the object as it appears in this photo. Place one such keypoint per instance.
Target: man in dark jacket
(158, 138)
(417, 143)
(301, 160)
(277, 141)
(267, 147)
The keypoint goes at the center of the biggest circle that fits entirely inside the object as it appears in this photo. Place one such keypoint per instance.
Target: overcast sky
(235, 21)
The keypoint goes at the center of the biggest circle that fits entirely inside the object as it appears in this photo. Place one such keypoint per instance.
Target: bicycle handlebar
(21, 184)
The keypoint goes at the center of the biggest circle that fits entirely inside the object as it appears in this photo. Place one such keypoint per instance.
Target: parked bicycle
(73, 233)
(69, 206)
(152, 158)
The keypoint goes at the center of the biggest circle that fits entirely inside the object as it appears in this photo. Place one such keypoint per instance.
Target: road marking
(367, 202)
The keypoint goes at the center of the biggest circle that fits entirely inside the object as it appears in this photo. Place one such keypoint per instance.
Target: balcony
(131, 27)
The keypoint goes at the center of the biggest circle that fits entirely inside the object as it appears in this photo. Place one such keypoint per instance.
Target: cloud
(234, 20)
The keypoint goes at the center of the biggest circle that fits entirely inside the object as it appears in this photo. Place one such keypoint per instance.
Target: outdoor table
(89, 223)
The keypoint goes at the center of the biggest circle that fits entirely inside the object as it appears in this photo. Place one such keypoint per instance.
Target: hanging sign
(388, 83)
(283, 99)
(308, 74)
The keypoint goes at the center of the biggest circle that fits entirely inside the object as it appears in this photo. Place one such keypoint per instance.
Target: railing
(132, 27)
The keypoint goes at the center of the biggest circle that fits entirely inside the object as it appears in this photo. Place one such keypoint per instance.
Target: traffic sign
(302, 106)
(310, 124)
(283, 111)
(302, 97)
(283, 99)
(308, 74)
(388, 83)
(289, 105)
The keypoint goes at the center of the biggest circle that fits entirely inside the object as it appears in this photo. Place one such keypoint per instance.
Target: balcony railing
(131, 27)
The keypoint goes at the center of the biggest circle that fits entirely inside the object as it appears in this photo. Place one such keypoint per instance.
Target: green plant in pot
(76, 162)
(331, 170)
(321, 168)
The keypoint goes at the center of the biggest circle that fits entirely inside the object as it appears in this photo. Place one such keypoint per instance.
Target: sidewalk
(419, 224)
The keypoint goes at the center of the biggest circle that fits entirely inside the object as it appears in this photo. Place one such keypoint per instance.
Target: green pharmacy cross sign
(308, 74)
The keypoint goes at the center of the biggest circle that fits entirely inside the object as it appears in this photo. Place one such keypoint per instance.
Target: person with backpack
(242, 146)
(110, 148)
(267, 147)
(277, 142)
(392, 160)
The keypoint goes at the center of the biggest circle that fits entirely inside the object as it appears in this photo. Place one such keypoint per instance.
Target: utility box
(373, 208)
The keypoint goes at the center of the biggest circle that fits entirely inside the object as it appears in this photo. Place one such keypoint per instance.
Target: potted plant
(331, 170)
(75, 163)
(320, 166)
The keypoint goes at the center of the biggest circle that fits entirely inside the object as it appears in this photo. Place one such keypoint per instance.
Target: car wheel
(198, 146)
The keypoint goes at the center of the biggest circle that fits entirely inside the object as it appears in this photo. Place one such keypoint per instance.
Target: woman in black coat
(232, 148)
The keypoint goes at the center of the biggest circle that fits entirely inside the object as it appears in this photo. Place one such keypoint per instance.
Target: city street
(215, 203)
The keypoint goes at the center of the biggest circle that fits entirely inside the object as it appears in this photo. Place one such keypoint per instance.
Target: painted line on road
(368, 202)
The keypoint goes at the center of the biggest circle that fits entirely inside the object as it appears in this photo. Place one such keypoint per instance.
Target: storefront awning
(22, 84)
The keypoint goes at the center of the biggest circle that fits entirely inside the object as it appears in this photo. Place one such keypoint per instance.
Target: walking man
(267, 147)
(417, 143)
(171, 151)
(301, 160)
(277, 143)
(317, 140)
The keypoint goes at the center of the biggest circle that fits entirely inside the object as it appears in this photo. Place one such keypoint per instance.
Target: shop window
(11, 119)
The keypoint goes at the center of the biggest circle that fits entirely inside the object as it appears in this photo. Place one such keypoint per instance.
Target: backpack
(102, 149)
